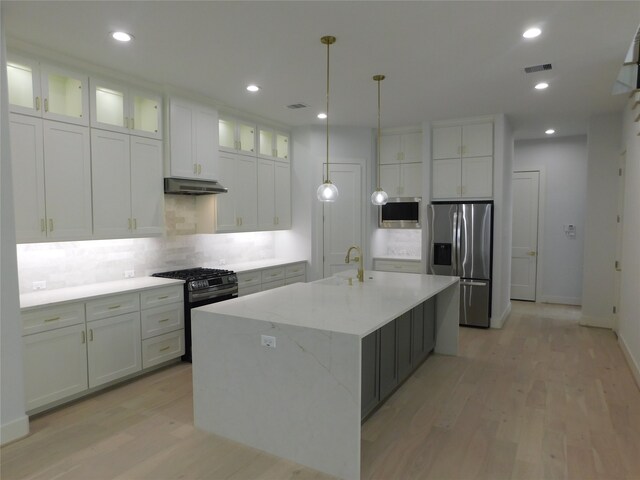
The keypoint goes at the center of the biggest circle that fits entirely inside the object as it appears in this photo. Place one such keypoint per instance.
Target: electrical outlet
(223, 261)
(40, 285)
(129, 273)
(268, 341)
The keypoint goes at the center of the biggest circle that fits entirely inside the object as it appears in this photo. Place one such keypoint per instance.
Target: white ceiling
(442, 59)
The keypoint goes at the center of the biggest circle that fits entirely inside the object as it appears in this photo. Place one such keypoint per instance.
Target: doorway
(524, 247)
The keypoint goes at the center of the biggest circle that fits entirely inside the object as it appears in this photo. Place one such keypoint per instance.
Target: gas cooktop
(190, 274)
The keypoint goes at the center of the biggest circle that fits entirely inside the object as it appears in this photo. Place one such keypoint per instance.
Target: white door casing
(524, 253)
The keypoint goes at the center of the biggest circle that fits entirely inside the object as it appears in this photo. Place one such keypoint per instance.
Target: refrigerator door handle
(454, 250)
(468, 283)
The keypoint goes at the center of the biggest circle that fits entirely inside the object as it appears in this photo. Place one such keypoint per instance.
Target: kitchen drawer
(162, 319)
(49, 318)
(401, 266)
(294, 270)
(297, 279)
(161, 296)
(273, 284)
(248, 279)
(162, 348)
(242, 291)
(271, 274)
(112, 306)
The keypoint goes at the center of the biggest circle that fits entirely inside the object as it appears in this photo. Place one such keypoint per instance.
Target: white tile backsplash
(401, 243)
(68, 264)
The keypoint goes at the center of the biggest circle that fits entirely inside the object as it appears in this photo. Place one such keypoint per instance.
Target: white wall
(13, 421)
(563, 162)
(629, 317)
(603, 141)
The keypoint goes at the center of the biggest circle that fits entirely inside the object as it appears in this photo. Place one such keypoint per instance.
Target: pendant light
(379, 196)
(327, 192)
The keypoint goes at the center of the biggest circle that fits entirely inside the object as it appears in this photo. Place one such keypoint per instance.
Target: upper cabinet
(193, 141)
(462, 161)
(119, 108)
(273, 144)
(401, 148)
(236, 136)
(46, 91)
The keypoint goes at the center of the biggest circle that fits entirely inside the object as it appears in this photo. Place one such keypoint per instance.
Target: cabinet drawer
(294, 270)
(271, 274)
(162, 319)
(298, 279)
(248, 279)
(242, 291)
(43, 319)
(397, 266)
(161, 296)
(273, 284)
(112, 306)
(162, 348)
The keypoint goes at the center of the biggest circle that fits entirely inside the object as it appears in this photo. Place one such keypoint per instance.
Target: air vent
(538, 68)
(295, 106)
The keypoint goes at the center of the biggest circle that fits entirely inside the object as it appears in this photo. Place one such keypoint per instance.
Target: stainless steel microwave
(400, 212)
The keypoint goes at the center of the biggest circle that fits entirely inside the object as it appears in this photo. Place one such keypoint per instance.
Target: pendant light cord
(379, 188)
(328, 45)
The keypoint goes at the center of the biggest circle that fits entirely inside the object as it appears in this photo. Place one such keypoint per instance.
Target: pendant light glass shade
(327, 192)
(379, 196)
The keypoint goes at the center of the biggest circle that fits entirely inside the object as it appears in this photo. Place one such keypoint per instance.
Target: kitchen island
(281, 370)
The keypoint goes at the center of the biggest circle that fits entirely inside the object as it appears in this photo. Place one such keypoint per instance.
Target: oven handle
(212, 294)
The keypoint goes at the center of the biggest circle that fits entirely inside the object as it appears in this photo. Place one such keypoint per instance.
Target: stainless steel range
(202, 286)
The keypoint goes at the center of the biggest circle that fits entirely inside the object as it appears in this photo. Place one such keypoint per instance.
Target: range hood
(183, 186)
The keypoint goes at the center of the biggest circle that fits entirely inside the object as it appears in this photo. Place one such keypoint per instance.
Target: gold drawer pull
(52, 319)
(164, 349)
(163, 297)
(163, 320)
(114, 307)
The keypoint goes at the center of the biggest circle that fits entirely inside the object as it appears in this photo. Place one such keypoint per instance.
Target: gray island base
(282, 370)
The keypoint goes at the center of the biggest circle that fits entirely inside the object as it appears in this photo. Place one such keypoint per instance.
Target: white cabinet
(46, 91)
(193, 141)
(401, 148)
(274, 195)
(273, 144)
(236, 136)
(397, 265)
(55, 206)
(401, 180)
(128, 192)
(120, 108)
(462, 164)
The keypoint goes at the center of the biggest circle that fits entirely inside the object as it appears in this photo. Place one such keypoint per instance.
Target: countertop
(406, 259)
(95, 290)
(331, 304)
(258, 264)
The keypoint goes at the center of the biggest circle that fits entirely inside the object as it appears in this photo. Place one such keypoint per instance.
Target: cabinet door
(403, 324)
(369, 379)
(65, 95)
(111, 184)
(27, 162)
(429, 332)
(389, 149)
(411, 179)
(247, 192)
(390, 179)
(205, 141)
(225, 202)
(477, 177)
(55, 365)
(147, 186)
(266, 143)
(67, 165)
(182, 163)
(283, 195)
(266, 194)
(23, 83)
(114, 348)
(282, 146)
(446, 178)
(226, 135)
(246, 138)
(477, 140)
(109, 106)
(145, 114)
(446, 142)
(411, 145)
(388, 359)
(417, 334)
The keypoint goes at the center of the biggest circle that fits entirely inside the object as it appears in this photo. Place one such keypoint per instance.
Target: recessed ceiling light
(122, 36)
(532, 32)
(253, 88)
(322, 116)
(550, 131)
(541, 86)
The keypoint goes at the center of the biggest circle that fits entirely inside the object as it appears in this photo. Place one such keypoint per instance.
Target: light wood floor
(541, 399)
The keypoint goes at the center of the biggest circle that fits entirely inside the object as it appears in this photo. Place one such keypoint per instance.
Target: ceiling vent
(538, 68)
(296, 106)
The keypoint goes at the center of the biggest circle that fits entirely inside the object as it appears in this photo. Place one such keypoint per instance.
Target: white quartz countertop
(258, 264)
(331, 304)
(389, 257)
(95, 290)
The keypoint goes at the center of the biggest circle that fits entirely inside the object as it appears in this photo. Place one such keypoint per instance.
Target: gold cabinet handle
(43, 225)
(37, 103)
(199, 168)
(163, 320)
(84, 337)
(46, 104)
(113, 307)
(163, 297)
(129, 224)
(91, 334)
(51, 225)
(133, 122)
(195, 168)
(531, 254)
(135, 223)
(53, 319)
(164, 349)
(126, 122)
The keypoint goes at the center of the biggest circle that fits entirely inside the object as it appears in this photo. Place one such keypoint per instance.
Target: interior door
(524, 250)
(342, 218)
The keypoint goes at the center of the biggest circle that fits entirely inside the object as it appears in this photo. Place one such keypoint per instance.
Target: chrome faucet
(347, 259)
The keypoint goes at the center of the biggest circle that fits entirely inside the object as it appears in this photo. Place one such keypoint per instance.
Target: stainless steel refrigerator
(460, 239)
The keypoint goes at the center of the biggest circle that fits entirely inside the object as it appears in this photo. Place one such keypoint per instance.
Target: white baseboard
(14, 430)
(498, 322)
(633, 363)
(591, 321)
(561, 300)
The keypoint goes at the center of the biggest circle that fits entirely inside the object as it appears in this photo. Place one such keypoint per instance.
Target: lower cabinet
(370, 391)
(388, 359)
